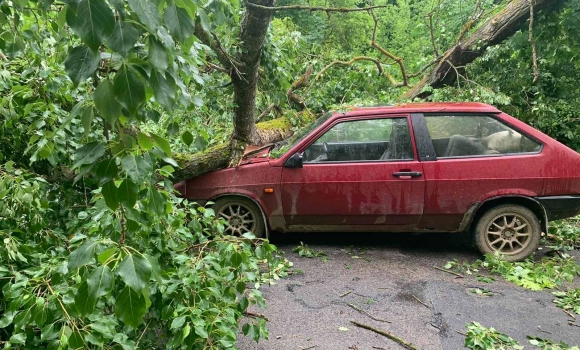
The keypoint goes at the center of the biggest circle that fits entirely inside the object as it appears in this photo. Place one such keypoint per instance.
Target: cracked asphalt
(390, 276)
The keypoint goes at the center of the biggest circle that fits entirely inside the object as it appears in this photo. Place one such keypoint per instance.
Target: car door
(361, 171)
(468, 158)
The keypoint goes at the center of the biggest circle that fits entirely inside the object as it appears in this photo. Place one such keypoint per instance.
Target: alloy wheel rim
(239, 219)
(508, 234)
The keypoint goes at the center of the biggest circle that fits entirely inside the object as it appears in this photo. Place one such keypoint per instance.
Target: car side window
(363, 140)
(460, 136)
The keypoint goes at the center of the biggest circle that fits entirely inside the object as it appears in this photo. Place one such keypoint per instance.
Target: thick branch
(495, 30)
(353, 60)
(213, 43)
(313, 8)
(397, 59)
(533, 44)
(300, 83)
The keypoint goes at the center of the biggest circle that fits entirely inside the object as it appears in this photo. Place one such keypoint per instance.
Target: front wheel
(241, 216)
(511, 230)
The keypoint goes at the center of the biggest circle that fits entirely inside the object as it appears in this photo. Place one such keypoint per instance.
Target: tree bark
(253, 29)
(495, 30)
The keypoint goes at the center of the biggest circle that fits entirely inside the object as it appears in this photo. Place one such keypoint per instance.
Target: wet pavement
(391, 277)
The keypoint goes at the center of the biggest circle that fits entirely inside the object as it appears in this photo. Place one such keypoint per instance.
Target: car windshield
(283, 146)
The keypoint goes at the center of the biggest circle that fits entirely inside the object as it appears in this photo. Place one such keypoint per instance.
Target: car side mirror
(295, 161)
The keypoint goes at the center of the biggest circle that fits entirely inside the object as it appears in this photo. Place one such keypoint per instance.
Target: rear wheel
(241, 216)
(512, 230)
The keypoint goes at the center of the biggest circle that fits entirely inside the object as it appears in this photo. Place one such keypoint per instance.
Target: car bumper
(560, 207)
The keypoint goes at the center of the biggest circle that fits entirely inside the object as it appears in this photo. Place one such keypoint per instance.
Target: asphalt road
(386, 274)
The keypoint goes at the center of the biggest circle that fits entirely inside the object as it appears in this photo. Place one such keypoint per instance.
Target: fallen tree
(243, 71)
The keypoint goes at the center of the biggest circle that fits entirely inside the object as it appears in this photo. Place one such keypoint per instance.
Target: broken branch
(419, 300)
(386, 334)
(366, 313)
(313, 8)
(255, 315)
(450, 272)
(345, 294)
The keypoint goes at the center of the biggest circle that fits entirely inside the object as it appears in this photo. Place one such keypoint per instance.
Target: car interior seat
(400, 145)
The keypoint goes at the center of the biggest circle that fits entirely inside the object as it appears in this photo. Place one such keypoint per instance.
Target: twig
(265, 112)
(366, 313)
(451, 272)
(573, 324)
(313, 8)
(345, 294)
(376, 347)
(419, 300)
(541, 330)
(460, 332)
(386, 334)
(533, 44)
(253, 314)
(569, 314)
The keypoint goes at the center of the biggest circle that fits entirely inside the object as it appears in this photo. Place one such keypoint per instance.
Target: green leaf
(83, 255)
(136, 167)
(129, 89)
(81, 63)
(135, 271)
(109, 192)
(179, 22)
(203, 19)
(87, 120)
(106, 255)
(88, 154)
(106, 170)
(100, 282)
(105, 102)
(128, 193)
(187, 138)
(163, 144)
(157, 56)
(156, 202)
(236, 259)
(84, 302)
(144, 141)
(177, 322)
(93, 21)
(123, 38)
(19, 338)
(130, 307)
(147, 13)
(163, 88)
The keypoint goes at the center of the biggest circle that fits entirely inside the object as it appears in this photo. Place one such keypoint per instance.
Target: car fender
(475, 210)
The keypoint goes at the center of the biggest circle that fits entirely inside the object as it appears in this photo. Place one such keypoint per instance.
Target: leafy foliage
(564, 235)
(479, 337)
(304, 250)
(546, 273)
(569, 300)
(547, 344)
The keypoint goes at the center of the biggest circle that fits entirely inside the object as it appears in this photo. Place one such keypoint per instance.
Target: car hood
(256, 154)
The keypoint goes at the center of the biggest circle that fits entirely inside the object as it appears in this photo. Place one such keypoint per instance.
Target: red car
(419, 167)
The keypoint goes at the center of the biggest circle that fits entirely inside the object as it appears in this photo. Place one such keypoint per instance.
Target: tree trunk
(495, 30)
(253, 29)
(221, 156)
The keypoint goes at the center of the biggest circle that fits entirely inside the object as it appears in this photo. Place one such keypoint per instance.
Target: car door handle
(407, 174)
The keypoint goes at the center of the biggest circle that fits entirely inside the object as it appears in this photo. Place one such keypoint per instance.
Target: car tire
(241, 215)
(513, 230)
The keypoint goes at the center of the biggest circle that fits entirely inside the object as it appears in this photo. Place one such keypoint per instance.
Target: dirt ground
(391, 277)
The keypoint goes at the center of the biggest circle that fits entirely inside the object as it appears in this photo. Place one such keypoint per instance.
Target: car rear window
(469, 135)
